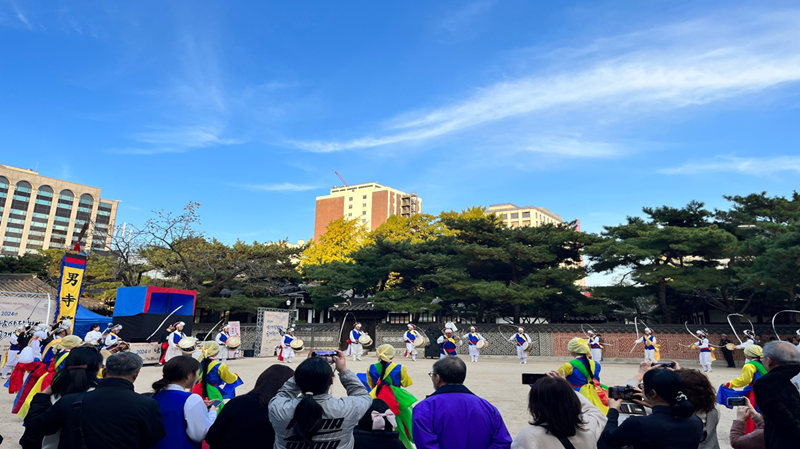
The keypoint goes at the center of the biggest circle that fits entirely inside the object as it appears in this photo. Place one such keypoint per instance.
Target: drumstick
(212, 329)
(162, 323)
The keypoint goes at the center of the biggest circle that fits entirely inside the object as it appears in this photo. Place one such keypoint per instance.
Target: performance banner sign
(149, 352)
(273, 322)
(16, 311)
(236, 329)
(73, 268)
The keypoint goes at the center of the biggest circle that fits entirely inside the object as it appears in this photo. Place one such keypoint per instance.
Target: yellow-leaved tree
(342, 238)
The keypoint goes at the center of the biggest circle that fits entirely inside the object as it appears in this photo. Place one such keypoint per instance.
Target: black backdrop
(136, 328)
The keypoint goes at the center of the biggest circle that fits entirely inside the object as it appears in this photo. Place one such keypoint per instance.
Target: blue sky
(590, 109)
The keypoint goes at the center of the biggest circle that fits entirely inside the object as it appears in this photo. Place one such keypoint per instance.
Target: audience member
(68, 380)
(303, 407)
(701, 394)
(186, 416)
(752, 440)
(560, 416)
(111, 415)
(244, 421)
(453, 417)
(672, 425)
(778, 399)
(376, 428)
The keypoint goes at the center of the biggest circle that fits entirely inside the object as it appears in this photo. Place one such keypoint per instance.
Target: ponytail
(307, 418)
(78, 372)
(204, 377)
(159, 385)
(682, 408)
(314, 376)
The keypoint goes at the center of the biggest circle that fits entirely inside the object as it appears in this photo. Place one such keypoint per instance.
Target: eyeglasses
(431, 374)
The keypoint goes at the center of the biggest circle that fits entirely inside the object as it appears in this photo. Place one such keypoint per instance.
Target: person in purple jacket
(438, 421)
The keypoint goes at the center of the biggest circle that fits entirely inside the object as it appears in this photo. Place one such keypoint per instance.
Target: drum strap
(567, 444)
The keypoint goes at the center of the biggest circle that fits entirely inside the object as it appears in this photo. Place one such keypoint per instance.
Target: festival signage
(235, 329)
(73, 269)
(17, 311)
(149, 352)
(273, 322)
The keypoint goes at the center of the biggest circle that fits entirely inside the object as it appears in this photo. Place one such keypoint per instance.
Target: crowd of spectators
(294, 409)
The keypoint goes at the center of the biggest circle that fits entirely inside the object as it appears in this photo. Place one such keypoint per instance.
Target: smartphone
(735, 402)
(215, 403)
(670, 365)
(531, 378)
(325, 353)
(630, 408)
(624, 393)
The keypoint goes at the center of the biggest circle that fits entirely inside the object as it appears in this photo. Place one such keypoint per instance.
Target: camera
(532, 378)
(624, 393)
(329, 355)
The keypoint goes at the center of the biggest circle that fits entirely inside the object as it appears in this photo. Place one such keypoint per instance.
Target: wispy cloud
(655, 74)
(465, 16)
(284, 187)
(21, 15)
(745, 165)
(573, 147)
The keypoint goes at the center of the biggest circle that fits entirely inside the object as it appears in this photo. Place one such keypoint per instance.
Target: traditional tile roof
(30, 283)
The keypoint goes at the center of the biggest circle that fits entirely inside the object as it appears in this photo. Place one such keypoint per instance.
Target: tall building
(516, 216)
(37, 212)
(371, 204)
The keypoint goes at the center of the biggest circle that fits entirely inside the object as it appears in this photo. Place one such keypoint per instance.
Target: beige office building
(37, 212)
(371, 204)
(515, 216)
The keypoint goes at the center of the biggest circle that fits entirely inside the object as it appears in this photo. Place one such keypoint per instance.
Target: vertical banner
(73, 268)
(236, 330)
(273, 322)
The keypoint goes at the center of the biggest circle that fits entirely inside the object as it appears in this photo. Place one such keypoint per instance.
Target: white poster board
(236, 330)
(149, 352)
(273, 322)
(19, 310)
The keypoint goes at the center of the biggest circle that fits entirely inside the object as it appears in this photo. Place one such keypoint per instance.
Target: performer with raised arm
(174, 338)
(222, 340)
(447, 344)
(750, 339)
(355, 348)
(595, 346)
(649, 341)
(752, 370)
(10, 358)
(474, 337)
(705, 350)
(523, 341)
(410, 337)
(287, 353)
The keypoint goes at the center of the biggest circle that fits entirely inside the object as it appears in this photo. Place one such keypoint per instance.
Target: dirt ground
(495, 378)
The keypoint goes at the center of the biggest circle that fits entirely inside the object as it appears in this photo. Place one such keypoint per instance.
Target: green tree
(27, 263)
(342, 237)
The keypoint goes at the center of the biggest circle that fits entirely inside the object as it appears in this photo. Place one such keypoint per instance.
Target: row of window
(363, 197)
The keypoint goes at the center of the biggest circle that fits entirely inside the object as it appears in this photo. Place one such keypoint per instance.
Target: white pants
(705, 361)
(474, 352)
(172, 352)
(411, 350)
(11, 362)
(650, 355)
(597, 354)
(356, 350)
(522, 354)
(223, 353)
(287, 353)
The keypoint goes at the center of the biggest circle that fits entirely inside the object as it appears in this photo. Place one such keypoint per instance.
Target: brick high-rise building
(371, 204)
(37, 212)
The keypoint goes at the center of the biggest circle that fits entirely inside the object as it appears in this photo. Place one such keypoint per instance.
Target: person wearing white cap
(649, 341)
(474, 337)
(356, 349)
(448, 344)
(222, 340)
(750, 339)
(595, 346)
(112, 339)
(410, 337)
(174, 338)
(11, 354)
(287, 353)
(705, 351)
(520, 338)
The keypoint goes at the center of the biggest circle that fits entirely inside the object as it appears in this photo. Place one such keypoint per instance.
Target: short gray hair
(782, 353)
(451, 370)
(123, 364)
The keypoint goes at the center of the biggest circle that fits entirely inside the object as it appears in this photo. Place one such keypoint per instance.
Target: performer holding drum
(523, 342)
(222, 340)
(594, 345)
(11, 354)
(649, 341)
(357, 342)
(288, 345)
(476, 343)
(411, 338)
(174, 339)
(705, 350)
(447, 344)
(112, 339)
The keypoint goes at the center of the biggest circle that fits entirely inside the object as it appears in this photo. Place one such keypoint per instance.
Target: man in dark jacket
(727, 352)
(778, 398)
(111, 416)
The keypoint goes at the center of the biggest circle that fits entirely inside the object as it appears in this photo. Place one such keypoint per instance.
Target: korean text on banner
(235, 330)
(271, 331)
(73, 268)
(15, 312)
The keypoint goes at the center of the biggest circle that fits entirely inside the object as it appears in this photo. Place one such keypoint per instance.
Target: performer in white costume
(174, 338)
(94, 336)
(649, 341)
(355, 348)
(521, 338)
(474, 337)
(112, 339)
(705, 351)
(410, 337)
(222, 340)
(594, 346)
(750, 340)
(287, 353)
(10, 360)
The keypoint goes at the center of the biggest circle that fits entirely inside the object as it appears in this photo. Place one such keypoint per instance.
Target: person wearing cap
(387, 380)
(520, 338)
(10, 358)
(448, 344)
(28, 370)
(355, 348)
(410, 337)
(222, 340)
(112, 339)
(216, 380)
(474, 337)
(752, 370)
(750, 339)
(649, 341)
(705, 350)
(595, 346)
(286, 353)
(584, 374)
(174, 338)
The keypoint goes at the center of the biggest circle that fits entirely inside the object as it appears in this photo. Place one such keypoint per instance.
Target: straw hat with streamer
(578, 346)
(385, 352)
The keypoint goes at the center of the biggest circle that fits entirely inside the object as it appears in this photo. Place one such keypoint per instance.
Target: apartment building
(515, 216)
(37, 212)
(370, 204)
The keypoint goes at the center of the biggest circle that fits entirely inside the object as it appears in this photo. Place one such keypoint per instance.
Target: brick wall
(328, 209)
(380, 208)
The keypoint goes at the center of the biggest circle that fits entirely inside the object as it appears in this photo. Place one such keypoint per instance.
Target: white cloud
(186, 137)
(465, 16)
(750, 166)
(284, 187)
(693, 63)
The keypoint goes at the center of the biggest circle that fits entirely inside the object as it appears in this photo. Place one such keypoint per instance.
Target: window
(350, 206)
(515, 216)
(363, 212)
(363, 220)
(526, 215)
(364, 205)
(350, 214)
(397, 318)
(505, 216)
(351, 198)
(365, 196)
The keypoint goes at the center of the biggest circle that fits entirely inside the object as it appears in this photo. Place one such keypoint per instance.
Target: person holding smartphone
(752, 440)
